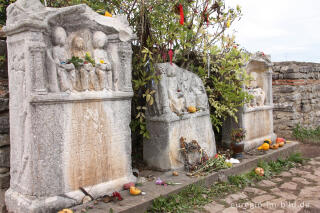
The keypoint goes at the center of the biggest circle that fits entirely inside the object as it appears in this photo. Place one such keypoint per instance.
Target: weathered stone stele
(168, 119)
(255, 117)
(69, 122)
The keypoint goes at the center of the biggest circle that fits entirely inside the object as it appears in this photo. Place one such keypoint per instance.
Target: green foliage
(89, 59)
(297, 158)
(76, 61)
(185, 201)
(197, 195)
(240, 181)
(306, 134)
(3, 6)
(2, 60)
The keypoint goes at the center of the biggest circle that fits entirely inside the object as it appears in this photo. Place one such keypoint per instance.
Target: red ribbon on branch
(181, 14)
(170, 55)
(205, 14)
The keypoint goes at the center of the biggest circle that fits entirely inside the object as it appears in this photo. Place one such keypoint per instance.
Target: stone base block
(162, 150)
(252, 144)
(17, 202)
(257, 122)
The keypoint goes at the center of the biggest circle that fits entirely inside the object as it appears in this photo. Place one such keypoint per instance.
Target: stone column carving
(37, 64)
(125, 53)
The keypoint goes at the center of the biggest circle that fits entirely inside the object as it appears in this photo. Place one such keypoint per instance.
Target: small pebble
(143, 193)
(175, 173)
(86, 199)
(107, 199)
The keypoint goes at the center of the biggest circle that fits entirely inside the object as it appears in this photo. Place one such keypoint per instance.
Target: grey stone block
(5, 156)
(294, 76)
(169, 118)
(4, 104)
(287, 89)
(4, 140)
(275, 76)
(5, 180)
(4, 123)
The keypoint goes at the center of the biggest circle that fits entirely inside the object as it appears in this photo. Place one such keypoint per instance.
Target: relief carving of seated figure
(200, 93)
(260, 97)
(257, 93)
(93, 80)
(84, 76)
(103, 67)
(78, 47)
(175, 94)
(189, 95)
(66, 72)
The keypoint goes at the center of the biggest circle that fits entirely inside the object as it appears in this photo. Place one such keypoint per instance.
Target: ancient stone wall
(4, 122)
(296, 96)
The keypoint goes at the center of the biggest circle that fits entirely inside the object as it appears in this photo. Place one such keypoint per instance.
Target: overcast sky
(287, 29)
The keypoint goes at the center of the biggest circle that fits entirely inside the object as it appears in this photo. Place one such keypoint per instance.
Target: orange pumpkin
(279, 140)
(274, 146)
(259, 171)
(281, 144)
(66, 211)
(192, 109)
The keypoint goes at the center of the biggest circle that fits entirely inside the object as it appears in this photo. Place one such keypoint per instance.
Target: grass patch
(195, 196)
(310, 135)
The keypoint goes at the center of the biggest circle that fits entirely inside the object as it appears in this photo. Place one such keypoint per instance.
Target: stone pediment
(26, 13)
(75, 48)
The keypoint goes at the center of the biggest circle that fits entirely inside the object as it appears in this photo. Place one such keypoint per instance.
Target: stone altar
(257, 116)
(70, 105)
(168, 118)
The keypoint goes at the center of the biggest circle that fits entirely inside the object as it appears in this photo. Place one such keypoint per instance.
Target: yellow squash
(267, 141)
(108, 14)
(134, 191)
(264, 146)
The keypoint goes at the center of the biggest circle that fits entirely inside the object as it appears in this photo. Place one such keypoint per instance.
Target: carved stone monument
(70, 105)
(257, 116)
(168, 119)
